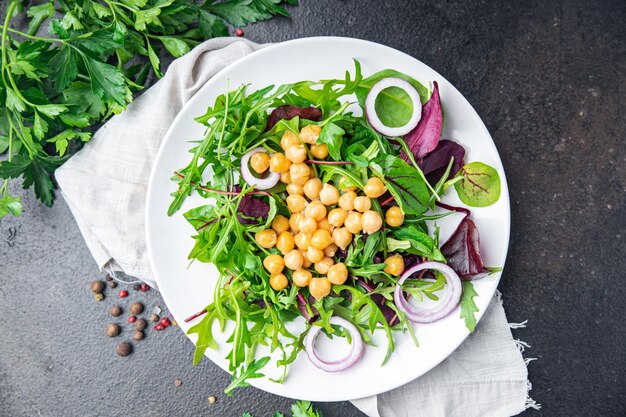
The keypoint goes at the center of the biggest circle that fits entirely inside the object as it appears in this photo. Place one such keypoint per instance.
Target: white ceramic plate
(188, 289)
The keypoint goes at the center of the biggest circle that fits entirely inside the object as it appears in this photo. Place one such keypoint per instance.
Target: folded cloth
(105, 187)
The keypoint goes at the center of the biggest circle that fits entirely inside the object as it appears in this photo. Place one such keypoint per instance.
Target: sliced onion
(356, 349)
(445, 306)
(370, 107)
(259, 183)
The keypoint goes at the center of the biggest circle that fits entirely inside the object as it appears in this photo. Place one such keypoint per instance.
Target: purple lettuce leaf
(462, 251)
(424, 138)
(288, 112)
(435, 163)
(304, 310)
(252, 210)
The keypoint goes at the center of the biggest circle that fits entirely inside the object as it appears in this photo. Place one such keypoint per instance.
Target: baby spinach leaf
(394, 107)
(332, 136)
(480, 186)
(366, 85)
(468, 306)
(404, 183)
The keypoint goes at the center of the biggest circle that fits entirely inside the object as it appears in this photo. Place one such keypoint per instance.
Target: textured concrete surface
(548, 79)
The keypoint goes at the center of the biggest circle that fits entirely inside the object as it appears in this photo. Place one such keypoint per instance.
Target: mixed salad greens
(318, 199)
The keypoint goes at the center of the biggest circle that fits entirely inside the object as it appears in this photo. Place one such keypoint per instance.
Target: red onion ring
(445, 306)
(370, 107)
(259, 183)
(356, 349)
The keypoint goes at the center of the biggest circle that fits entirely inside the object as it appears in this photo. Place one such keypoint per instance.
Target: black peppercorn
(137, 287)
(141, 325)
(112, 284)
(113, 330)
(138, 336)
(124, 349)
(154, 318)
(97, 286)
(136, 308)
(115, 311)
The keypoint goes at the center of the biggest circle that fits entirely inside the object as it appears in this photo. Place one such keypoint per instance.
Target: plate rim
(268, 49)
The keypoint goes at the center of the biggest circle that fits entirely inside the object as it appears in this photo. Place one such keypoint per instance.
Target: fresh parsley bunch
(55, 89)
(299, 409)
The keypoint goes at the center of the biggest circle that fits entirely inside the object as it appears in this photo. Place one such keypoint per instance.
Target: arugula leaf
(249, 372)
(468, 307)
(404, 183)
(479, 186)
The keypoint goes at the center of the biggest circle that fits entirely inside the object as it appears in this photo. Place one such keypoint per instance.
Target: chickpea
(374, 188)
(294, 222)
(371, 221)
(353, 222)
(296, 203)
(294, 188)
(337, 216)
(338, 273)
(302, 241)
(285, 177)
(307, 262)
(316, 210)
(312, 188)
(309, 134)
(322, 266)
(346, 201)
(343, 187)
(319, 288)
(266, 238)
(321, 239)
(324, 224)
(394, 216)
(279, 163)
(260, 162)
(307, 225)
(329, 195)
(314, 254)
(278, 282)
(299, 173)
(362, 204)
(289, 139)
(274, 264)
(319, 151)
(294, 259)
(331, 250)
(301, 277)
(285, 242)
(342, 237)
(280, 224)
(296, 153)
(395, 265)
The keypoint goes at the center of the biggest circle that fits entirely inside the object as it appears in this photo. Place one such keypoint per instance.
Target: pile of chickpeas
(322, 219)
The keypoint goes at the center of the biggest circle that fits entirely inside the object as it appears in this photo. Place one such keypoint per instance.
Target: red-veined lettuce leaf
(288, 112)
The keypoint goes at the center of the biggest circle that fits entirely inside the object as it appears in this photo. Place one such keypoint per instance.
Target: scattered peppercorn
(159, 327)
(141, 325)
(124, 349)
(123, 293)
(136, 308)
(138, 336)
(112, 284)
(212, 399)
(109, 278)
(113, 330)
(154, 318)
(165, 322)
(136, 287)
(132, 319)
(99, 297)
(97, 286)
(239, 32)
(174, 323)
(144, 287)
(115, 311)
(178, 382)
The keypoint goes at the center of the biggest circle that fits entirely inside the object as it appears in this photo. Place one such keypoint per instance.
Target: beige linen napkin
(105, 187)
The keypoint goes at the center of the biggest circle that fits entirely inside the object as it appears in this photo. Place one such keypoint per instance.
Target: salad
(320, 208)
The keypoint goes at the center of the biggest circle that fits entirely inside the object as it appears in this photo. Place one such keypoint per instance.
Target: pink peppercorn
(132, 319)
(123, 294)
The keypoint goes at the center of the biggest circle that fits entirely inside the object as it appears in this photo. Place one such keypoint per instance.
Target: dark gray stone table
(549, 80)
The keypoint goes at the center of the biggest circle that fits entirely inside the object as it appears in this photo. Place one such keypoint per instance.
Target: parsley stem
(26, 35)
(4, 39)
